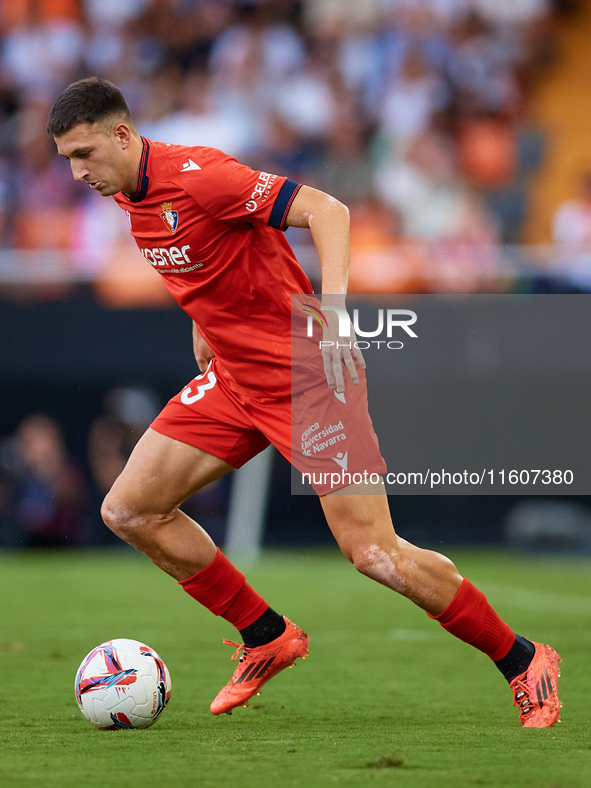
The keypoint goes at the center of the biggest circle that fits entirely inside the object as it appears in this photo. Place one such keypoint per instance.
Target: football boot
(257, 665)
(535, 691)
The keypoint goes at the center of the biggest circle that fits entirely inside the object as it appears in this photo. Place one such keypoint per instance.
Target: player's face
(97, 157)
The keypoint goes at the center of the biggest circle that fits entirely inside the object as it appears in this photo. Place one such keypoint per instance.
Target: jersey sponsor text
(172, 256)
(261, 191)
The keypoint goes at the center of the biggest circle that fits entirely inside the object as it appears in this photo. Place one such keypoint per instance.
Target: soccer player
(213, 229)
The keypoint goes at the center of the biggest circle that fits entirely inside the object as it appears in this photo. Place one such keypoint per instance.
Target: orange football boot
(535, 691)
(258, 665)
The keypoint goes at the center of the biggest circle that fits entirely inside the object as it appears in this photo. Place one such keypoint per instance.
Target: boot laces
(521, 697)
(239, 647)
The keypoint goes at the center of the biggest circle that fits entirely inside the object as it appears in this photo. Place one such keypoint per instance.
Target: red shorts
(318, 431)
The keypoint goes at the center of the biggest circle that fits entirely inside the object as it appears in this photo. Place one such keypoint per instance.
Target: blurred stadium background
(457, 131)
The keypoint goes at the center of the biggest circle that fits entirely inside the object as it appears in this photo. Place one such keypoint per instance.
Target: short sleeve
(231, 191)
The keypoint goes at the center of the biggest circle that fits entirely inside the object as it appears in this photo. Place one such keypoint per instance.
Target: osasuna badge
(169, 217)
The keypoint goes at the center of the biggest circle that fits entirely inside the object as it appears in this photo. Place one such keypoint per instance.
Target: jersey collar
(143, 180)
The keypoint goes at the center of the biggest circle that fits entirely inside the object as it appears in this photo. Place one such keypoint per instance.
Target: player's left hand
(338, 351)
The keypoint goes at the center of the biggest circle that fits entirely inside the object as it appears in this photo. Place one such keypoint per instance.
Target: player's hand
(338, 351)
(203, 353)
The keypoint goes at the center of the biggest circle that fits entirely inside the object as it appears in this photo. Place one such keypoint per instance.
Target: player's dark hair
(90, 101)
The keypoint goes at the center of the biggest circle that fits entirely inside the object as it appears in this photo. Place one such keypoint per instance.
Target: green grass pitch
(386, 697)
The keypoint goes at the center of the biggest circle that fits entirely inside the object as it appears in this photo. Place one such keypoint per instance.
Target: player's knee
(112, 514)
(386, 566)
(366, 558)
(132, 524)
(119, 517)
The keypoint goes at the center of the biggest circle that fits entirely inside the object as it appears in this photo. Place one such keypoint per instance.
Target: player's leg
(363, 528)
(143, 508)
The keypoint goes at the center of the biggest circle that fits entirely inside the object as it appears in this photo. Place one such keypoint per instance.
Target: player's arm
(328, 221)
(203, 353)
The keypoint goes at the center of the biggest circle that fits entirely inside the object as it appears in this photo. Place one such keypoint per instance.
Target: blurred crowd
(413, 112)
(50, 497)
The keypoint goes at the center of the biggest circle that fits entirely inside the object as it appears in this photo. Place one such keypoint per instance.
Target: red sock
(470, 618)
(222, 588)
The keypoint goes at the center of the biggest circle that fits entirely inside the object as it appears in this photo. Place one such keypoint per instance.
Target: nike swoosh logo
(190, 165)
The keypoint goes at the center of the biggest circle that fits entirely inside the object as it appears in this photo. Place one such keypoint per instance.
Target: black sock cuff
(266, 628)
(518, 659)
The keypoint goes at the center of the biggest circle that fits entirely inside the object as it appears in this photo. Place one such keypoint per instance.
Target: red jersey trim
(283, 203)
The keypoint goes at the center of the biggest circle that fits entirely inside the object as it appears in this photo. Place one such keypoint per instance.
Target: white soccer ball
(122, 684)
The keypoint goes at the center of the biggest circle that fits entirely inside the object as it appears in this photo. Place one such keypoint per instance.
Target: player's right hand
(336, 352)
(203, 353)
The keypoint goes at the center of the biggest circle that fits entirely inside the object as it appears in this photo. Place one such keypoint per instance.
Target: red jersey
(212, 227)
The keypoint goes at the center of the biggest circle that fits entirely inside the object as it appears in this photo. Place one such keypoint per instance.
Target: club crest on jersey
(169, 217)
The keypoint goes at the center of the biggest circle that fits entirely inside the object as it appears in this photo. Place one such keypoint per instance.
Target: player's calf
(171, 539)
(427, 578)
(363, 528)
